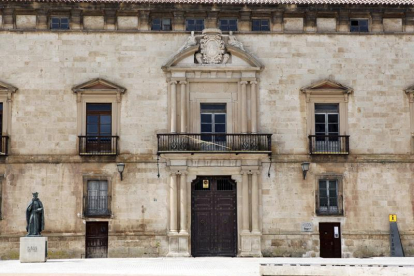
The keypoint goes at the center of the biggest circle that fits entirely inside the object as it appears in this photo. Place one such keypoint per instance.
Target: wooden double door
(97, 239)
(213, 216)
(330, 240)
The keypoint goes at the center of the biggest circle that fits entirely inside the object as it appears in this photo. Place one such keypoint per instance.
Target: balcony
(329, 144)
(214, 143)
(97, 206)
(4, 145)
(98, 145)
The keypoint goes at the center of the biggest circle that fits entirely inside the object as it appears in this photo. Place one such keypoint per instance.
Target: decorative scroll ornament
(234, 42)
(212, 47)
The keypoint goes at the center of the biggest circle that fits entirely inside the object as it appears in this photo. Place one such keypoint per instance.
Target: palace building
(208, 127)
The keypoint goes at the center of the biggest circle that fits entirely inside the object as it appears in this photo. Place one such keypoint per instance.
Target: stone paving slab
(212, 267)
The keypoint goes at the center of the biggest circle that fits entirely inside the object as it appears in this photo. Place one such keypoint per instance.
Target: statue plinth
(33, 249)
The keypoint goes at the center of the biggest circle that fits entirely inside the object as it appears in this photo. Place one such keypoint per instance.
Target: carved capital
(173, 82)
(183, 82)
(243, 82)
(253, 82)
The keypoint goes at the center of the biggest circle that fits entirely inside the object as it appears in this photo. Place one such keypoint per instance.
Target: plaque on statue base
(33, 249)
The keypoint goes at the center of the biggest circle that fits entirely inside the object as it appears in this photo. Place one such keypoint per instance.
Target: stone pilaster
(377, 26)
(183, 123)
(253, 106)
(110, 19)
(310, 22)
(211, 20)
(343, 21)
(244, 106)
(143, 21)
(8, 19)
(178, 23)
(76, 20)
(277, 21)
(41, 20)
(173, 102)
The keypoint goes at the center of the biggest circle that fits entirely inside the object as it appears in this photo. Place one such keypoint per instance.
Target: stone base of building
(178, 245)
(33, 249)
(251, 245)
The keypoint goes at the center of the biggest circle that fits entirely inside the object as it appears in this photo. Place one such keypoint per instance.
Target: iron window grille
(260, 25)
(359, 26)
(227, 25)
(161, 24)
(59, 23)
(194, 25)
(329, 198)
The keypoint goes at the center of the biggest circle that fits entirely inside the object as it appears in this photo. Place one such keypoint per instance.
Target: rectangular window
(194, 25)
(328, 197)
(97, 201)
(213, 126)
(260, 25)
(59, 23)
(327, 139)
(99, 128)
(359, 25)
(228, 25)
(161, 24)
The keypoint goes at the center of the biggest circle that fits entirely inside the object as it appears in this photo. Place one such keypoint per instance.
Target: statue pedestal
(33, 249)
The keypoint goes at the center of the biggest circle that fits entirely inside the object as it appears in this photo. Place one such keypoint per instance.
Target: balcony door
(327, 128)
(99, 128)
(213, 127)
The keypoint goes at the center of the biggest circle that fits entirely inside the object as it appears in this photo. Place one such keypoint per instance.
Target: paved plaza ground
(213, 267)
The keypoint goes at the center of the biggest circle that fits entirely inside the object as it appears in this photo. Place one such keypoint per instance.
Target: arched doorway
(213, 216)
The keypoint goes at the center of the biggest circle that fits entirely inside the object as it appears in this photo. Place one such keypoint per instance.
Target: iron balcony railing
(98, 145)
(4, 150)
(97, 205)
(214, 143)
(329, 144)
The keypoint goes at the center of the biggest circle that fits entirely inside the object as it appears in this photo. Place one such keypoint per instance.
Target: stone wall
(377, 175)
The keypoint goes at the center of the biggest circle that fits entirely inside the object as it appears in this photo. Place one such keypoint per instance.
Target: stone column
(253, 105)
(173, 106)
(183, 204)
(173, 203)
(183, 107)
(245, 201)
(244, 107)
(255, 204)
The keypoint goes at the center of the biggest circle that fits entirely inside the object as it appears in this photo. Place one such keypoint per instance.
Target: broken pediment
(5, 87)
(98, 85)
(326, 88)
(212, 49)
(410, 93)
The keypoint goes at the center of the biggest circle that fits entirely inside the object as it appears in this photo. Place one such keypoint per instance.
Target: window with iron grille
(260, 25)
(329, 197)
(59, 23)
(227, 25)
(161, 24)
(194, 24)
(359, 25)
(97, 200)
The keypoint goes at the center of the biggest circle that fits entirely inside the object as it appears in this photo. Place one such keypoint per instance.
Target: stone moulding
(326, 88)
(211, 50)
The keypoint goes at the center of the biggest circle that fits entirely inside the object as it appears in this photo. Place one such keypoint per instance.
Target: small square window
(228, 25)
(359, 25)
(194, 25)
(59, 23)
(161, 24)
(260, 25)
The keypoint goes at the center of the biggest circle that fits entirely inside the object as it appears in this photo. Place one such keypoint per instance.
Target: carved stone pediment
(327, 88)
(213, 48)
(98, 85)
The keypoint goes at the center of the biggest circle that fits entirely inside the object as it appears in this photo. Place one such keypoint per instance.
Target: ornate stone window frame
(340, 179)
(410, 93)
(98, 91)
(327, 91)
(96, 177)
(6, 97)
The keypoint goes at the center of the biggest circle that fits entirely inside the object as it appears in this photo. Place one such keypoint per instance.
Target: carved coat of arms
(212, 48)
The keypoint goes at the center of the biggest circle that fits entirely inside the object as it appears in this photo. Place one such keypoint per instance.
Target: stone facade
(377, 176)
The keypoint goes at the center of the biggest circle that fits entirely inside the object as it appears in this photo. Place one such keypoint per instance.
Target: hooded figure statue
(35, 217)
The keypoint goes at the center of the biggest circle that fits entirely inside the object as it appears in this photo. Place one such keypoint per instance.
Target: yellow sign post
(393, 218)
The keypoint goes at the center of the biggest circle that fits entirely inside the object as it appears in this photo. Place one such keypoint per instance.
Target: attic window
(359, 26)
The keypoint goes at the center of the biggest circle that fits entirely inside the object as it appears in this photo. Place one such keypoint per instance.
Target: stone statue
(191, 41)
(234, 42)
(35, 217)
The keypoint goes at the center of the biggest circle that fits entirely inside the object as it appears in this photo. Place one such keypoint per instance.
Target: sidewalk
(212, 267)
